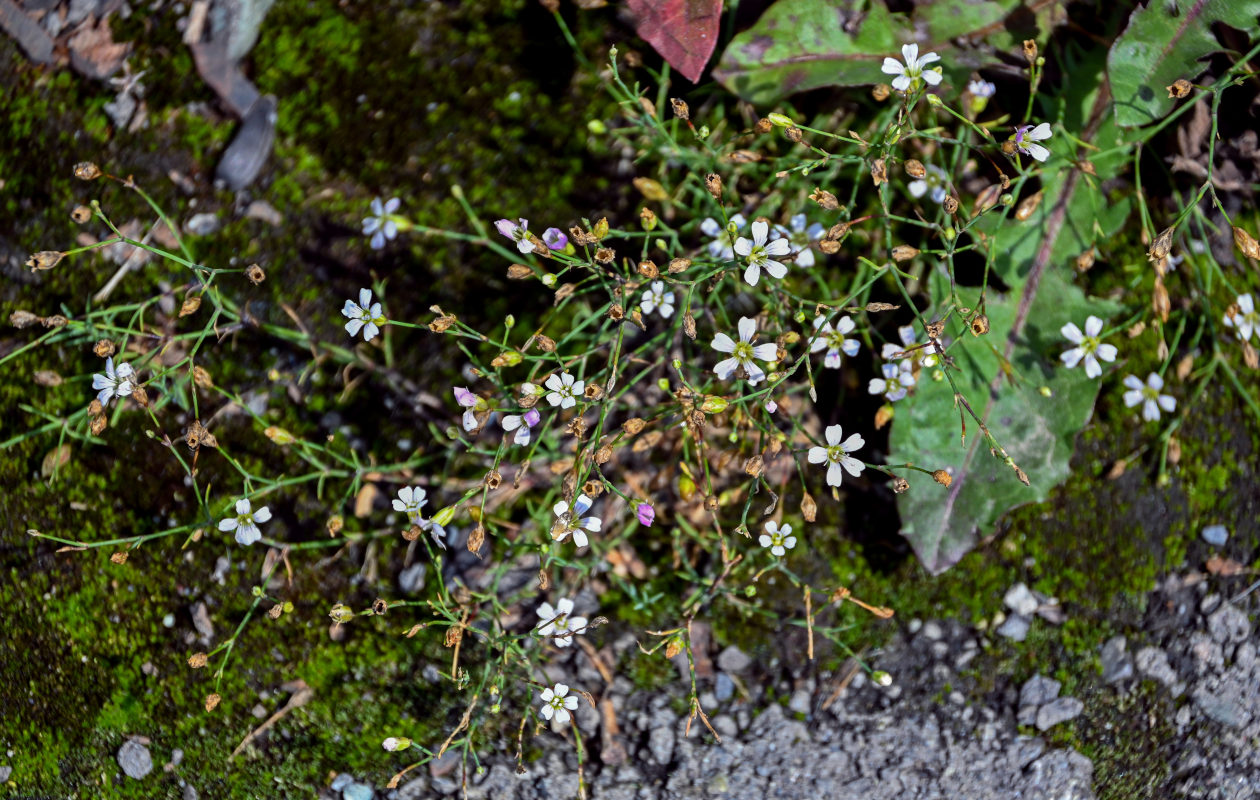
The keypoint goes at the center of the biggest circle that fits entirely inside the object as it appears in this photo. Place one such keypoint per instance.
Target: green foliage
(1165, 42)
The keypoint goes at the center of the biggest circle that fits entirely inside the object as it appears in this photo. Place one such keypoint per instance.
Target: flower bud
(647, 219)
(444, 516)
(933, 100)
(509, 358)
(881, 678)
(395, 743)
(549, 281)
(713, 404)
(597, 127)
(600, 229)
(780, 120)
(279, 435)
(340, 613)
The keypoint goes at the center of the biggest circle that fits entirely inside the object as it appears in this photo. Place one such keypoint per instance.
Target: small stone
(445, 785)
(444, 765)
(189, 792)
(661, 744)
(1059, 710)
(202, 224)
(202, 622)
(411, 580)
(1183, 717)
(1225, 708)
(1116, 664)
(1026, 750)
(915, 626)
(732, 659)
(259, 711)
(932, 631)
(940, 649)
(357, 791)
(1215, 535)
(801, 702)
(1229, 624)
(5, 772)
(1027, 715)
(266, 212)
(1209, 603)
(135, 760)
(1038, 691)
(416, 789)
(723, 687)
(1020, 600)
(340, 782)
(1015, 627)
(1153, 663)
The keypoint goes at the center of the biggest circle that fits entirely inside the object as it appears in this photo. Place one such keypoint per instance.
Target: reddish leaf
(684, 32)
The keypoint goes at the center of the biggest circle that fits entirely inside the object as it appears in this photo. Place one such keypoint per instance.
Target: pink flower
(646, 514)
(555, 239)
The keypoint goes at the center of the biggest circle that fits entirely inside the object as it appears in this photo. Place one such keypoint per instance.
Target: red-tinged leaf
(684, 32)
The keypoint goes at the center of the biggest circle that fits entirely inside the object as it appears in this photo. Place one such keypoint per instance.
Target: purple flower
(555, 239)
(518, 233)
(646, 515)
(521, 424)
(471, 403)
(1026, 138)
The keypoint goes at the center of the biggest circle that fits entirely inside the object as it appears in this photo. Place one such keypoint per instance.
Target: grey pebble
(340, 782)
(1015, 627)
(732, 659)
(135, 760)
(1225, 707)
(1116, 664)
(1059, 710)
(723, 687)
(1038, 691)
(357, 791)
(661, 744)
(1215, 535)
(411, 580)
(202, 224)
(1021, 600)
(1153, 663)
(5, 772)
(1229, 624)
(413, 789)
(801, 702)
(932, 631)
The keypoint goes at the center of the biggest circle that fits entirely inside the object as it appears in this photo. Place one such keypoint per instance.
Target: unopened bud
(881, 678)
(509, 358)
(444, 516)
(279, 435)
(782, 120)
(713, 404)
(341, 613)
(647, 219)
(600, 229)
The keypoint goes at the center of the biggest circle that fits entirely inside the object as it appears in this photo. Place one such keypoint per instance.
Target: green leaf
(1163, 42)
(799, 45)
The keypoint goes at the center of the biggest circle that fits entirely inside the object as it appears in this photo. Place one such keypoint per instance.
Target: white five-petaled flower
(981, 89)
(936, 180)
(115, 382)
(898, 377)
(913, 69)
(1245, 320)
(800, 236)
(569, 520)
(743, 352)
(246, 522)
(382, 225)
(657, 299)
(918, 356)
(521, 423)
(557, 702)
(364, 315)
(720, 246)
(758, 253)
(518, 233)
(778, 539)
(832, 340)
(1026, 138)
(565, 390)
(836, 454)
(410, 501)
(1088, 346)
(1148, 395)
(559, 622)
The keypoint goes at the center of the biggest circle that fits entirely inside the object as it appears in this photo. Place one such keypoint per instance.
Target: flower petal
(747, 328)
(760, 230)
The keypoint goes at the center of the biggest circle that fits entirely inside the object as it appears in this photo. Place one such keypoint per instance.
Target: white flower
(1088, 346)
(564, 390)
(570, 521)
(779, 540)
(657, 299)
(981, 89)
(113, 382)
(410, 501)
(1148, 394)
(559, 622)
(517, 233)
(472, 404)
(395, 743)
(382, 225)
(832, 340)
(720, 247)
(521, 423)
(913, 70)
(557, 702)
(1026, 138)
(245, 523)
(758, 253)
(799, 236)
(935, 180)
(897, 379)
(918, 356)
(364, 315)
(743, 352)
(1246, 320)
(837, 455)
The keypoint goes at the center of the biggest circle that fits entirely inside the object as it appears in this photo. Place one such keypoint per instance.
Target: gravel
(1039, 690)
(1020, 600)
(1057, 711)
(734, 660)
(1215, 535)
(1116, 664)
(1015, 627)
(135, 759)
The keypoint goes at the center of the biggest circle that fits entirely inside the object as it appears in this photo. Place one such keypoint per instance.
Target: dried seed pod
(46, 377)
(55, 321)
(493, 479)
(412, 533)
(988, 198)
(98, 424)
(880, 92)
(979, 325)
(879, 171)
(593, 391)
(140, 396)
(1249, 356)
(1174, 450)
(581, 238)
(22, 319)
(825, 199)
(86, 171)
(44, 259)
(603, 455)
(711, 503)
(212, 701)
(95, 408)
(576, 428)
(900, 485)
(442, 323)
(836, 232)
(1027, 206)
(202, 378)
(1008, 148)
(829, 246)
(1159, 300)
(1246, 243)
(616, 313)
(713, 182)
(1162, 244)
(904, 252)
(915, 169)
(951, 204)
(689, 325)
(809, 509)
(1030, 50)
(883, 415)
(275, 611)
(104, 348)
(476, 538)
(744, 156)
(81, 214)
(680, 108)
(379, 607)
(677, 265)
(190, 305)
(633, 425)
(942, 477)
(119, 558)
(198, 660)
(753, 466)
(334, 525)
(793, 134)
(255, 274)
(545, 343)
(763, 125)
(1085, 261)
(605, 255)
(877, 307)
(518, 272)
(1180, 88)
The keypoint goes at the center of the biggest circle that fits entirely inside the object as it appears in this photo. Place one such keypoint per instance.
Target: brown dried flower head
(212, 701)
(633, 426)
(593, 488)
(648, 269)
(476, 538)
(1246, 243)
(86, 171)
(880, 92)
(1179, 89)
(951, 204)
(493, 479)
(545, 343)
(198, 660)
(275, 611)
(713, 182)
(680, 108)
(915, 169)
(616, 313)
(119, 558)
(825, 199)
(1162, 245)
(581, 238)
(979, 325)
(677, 265)
(81, 214)
(255, 274)
(334, 525)
(23, 319)
(576, 428)
(379, 606)
(190, 305)
(879, 171)
(809, 508)
(104, 348)
(593, 391)
(900, 485)
(1030, 50)
(904, 252)
(689, 325)
(45, 259)
(55, 321)
(201, 377)
(942, 477)
(763, 125)
(605, 255)
(412, 533)
(793, 134)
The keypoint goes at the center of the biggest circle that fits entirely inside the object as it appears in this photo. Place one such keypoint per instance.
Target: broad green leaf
(799, 45)
(1165, 41)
